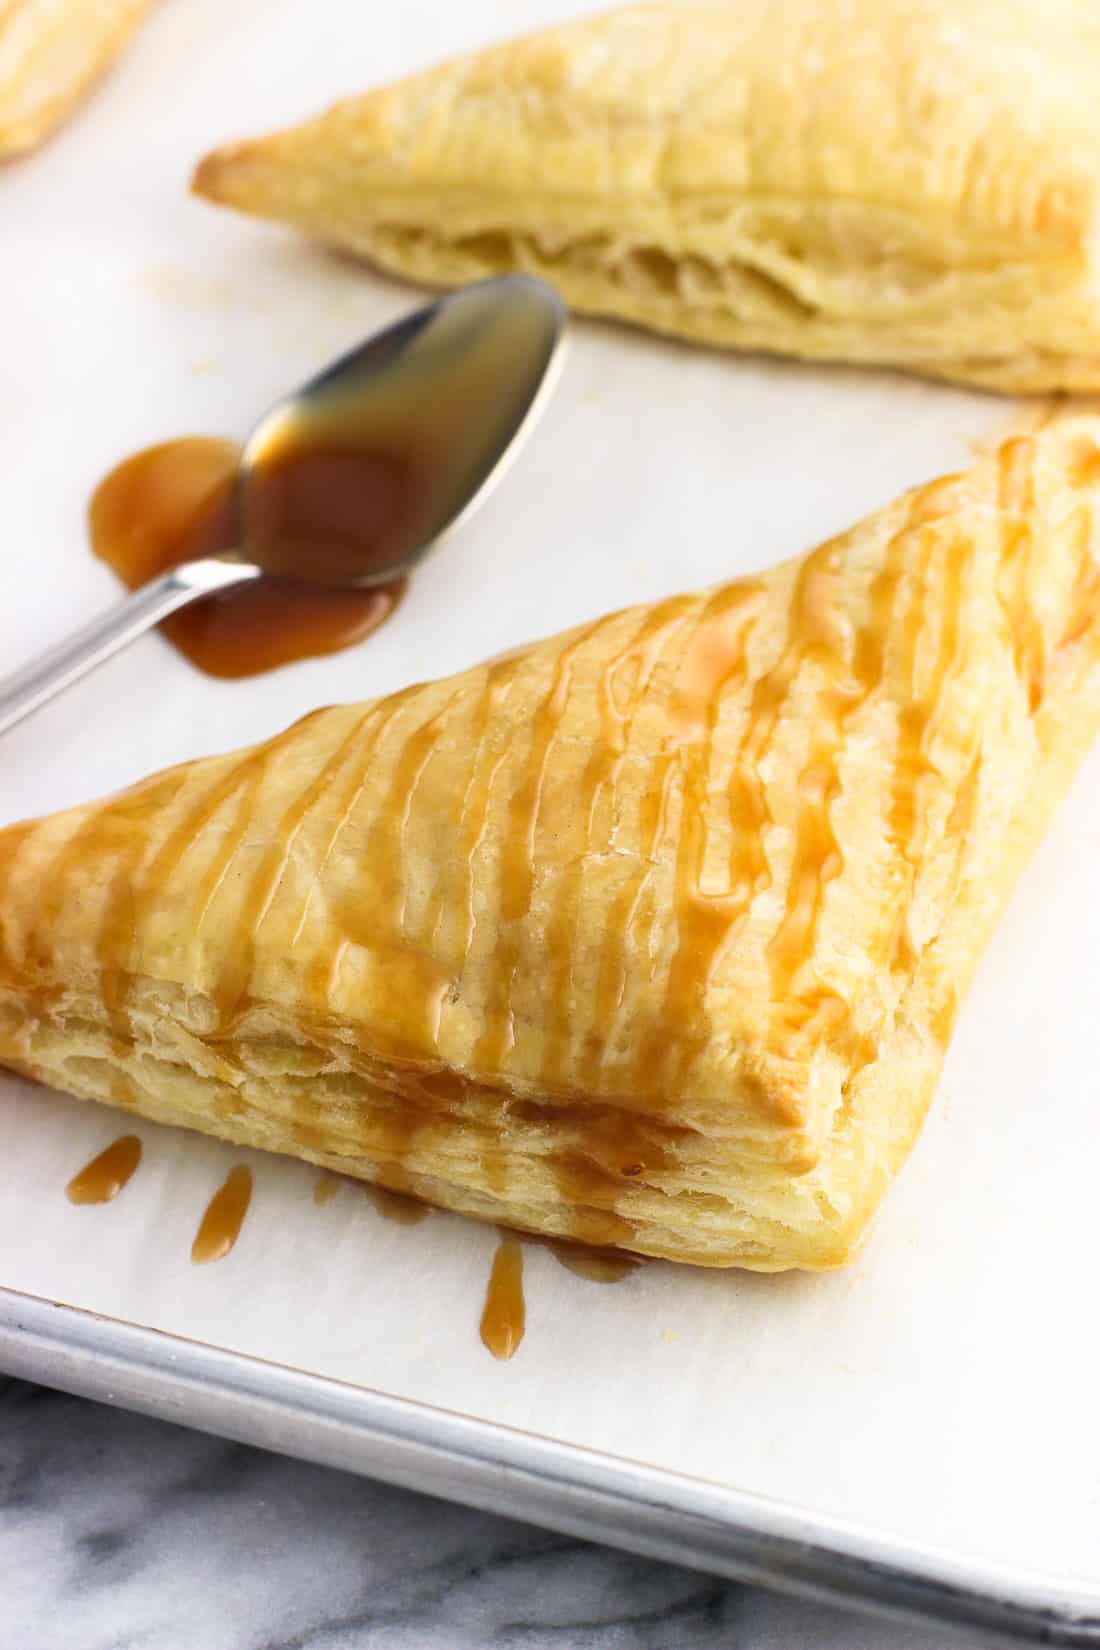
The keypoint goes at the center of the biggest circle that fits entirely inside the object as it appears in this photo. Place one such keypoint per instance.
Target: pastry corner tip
(217, 175)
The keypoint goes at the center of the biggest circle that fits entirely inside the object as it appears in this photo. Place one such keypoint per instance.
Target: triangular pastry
(855, 180)
(650, 936)
(51, 51)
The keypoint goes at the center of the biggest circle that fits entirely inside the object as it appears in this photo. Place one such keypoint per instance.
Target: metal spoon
(434, 405)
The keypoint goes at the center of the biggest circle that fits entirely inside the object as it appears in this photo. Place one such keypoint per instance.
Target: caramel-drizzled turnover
(650, 936)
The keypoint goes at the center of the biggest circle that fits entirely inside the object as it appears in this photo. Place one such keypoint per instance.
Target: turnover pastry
(50, 53)
(855, 180)
(650, 936)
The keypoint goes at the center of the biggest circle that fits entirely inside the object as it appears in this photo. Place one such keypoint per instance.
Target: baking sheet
(940, 1392)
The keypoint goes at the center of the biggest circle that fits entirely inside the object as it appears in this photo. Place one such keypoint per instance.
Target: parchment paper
(942, 1390)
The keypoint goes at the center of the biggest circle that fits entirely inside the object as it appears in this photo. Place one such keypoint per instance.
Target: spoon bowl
(351, 480)
(368, 466)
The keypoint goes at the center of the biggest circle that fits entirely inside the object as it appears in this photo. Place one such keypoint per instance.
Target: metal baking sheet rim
(519, 1474)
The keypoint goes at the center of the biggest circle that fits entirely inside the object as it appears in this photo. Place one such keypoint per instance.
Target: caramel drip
(1084, 463)
(818, 859)
(414, 1004)
(473, 809)
(919, 725)
(644, 650)
(749, 813)
(133, 888)
(716, 657)
(12, 840)
(236, 975)
(472, 820)
(606, 1148)
(594, 1262)
(415, 998)
(414, 984)
(1017, 511)
(372, 914)
(960, 826)
(862, 666)
(504, 1318)
(1085, 601)
(324, 965)
(632, 915)
(594, 1265)
(325, 1189)
(236, 937)
(814, 635)
(517, 868)
(628, 911)
(922, 705)
(386, 844)
(104, 1177)
(397, 1206)
(112, 834)
(224, 1217)
(919, 717)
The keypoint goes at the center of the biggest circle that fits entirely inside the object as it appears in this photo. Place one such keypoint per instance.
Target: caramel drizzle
(416, 1012)
(103, 1178)
(945, 998)
(473, 810)
(865, 665)
(325, 1189)
(12, 840)
(715, 661)
(1085, 599)
(921, 714)
(415, 984)
(472, 825)
(396, 1206)
(376, 919)
(227, 987)
(645, 649)
(857, 664)
(517, 867)
(221, 1224)
(595, 1265)
(504, 1317)
(634, 909)
(236, 976)
(920, 724)
(1016, 501)
(633, 914)
(920, 710)
(323, 967)
(104, 837)
(133, 891)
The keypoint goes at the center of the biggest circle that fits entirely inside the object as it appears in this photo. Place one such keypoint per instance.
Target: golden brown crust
(51, 51)
(870, 181)
(651, 935)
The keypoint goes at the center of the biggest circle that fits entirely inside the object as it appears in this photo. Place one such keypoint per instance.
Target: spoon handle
(98, 640)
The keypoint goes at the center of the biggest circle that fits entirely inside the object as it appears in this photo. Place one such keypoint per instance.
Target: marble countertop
(122, 1533)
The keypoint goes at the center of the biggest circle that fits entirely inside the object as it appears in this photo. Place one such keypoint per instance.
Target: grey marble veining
(121, 1533)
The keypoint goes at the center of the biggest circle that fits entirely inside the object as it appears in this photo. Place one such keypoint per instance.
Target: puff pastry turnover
(51, 51)
(856, 180)
(650, 936)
